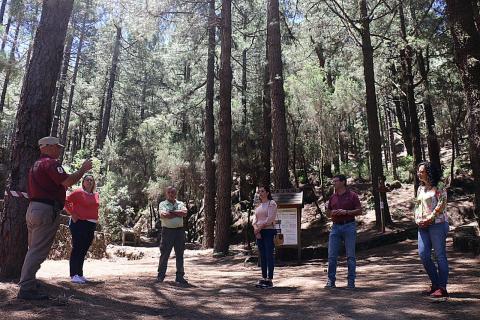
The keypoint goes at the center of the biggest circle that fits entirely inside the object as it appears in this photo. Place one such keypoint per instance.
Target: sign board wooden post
(289, 218)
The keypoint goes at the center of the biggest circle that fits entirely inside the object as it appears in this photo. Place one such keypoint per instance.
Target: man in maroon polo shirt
(47, 183)
(343, 206)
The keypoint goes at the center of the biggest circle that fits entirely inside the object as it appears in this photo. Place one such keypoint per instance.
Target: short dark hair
(434, 173)
(267, 190)
(170, 188)
(342, 178)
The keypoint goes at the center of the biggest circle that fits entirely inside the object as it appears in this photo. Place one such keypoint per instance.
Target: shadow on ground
(389, 280)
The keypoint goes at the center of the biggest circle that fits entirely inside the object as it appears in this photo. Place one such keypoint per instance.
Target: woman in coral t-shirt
(82, 204)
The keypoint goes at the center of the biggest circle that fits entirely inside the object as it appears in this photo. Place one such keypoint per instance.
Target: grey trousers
(42, 225)
(171, 238)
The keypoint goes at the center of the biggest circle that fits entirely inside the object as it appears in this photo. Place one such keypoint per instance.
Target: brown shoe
(439, 293)
(428, 292)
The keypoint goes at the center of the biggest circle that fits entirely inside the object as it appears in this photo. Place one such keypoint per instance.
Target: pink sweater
(265, 214)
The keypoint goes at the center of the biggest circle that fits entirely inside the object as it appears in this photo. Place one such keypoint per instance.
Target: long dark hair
(267, 190)
(434, 173)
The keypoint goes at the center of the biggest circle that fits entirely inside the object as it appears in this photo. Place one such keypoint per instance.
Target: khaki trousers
(42, 224)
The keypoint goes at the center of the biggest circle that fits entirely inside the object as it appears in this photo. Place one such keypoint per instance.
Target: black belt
(46, 201)
(345, 222)
(178, 228)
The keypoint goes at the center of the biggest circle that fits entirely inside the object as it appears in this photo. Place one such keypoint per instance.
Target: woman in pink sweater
(264, 229)
(82, 204)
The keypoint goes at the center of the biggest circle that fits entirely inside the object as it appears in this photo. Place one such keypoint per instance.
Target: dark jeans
(171, 238)
(82, 236)
(266, 247)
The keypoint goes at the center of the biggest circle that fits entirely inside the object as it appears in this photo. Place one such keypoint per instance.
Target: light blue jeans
(346, 233)
(434, 236)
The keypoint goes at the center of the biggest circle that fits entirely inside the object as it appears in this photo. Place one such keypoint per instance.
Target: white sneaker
(77, 279)
(84, 279)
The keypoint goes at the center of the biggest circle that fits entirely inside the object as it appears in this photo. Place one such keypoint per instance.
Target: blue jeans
(346, 233)
(434, 236)
(266, 247)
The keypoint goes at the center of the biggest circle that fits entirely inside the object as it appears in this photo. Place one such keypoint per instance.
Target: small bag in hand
(278, 239)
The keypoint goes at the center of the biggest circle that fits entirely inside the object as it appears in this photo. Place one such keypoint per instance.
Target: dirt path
(389, 279)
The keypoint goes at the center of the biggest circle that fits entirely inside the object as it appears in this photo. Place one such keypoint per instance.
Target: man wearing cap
(47, 184)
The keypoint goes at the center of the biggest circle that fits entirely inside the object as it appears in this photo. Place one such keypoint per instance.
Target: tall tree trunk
(100, 114)
(243, 167)
(266, 149)
(143, 100)
(5, 35)
(402, 113)
(11, 61)
(74, 76)
(2, 10)
(224, 187)
(111, 84)
(453, 137)
(384, 138)
(279, 122)
(466, 38)
(393, 150)
(432, 141)
(406, 56)
(61, 87)
(267, 130)
(294, 149)
(33, 122)
(374, 141)
(326, 165)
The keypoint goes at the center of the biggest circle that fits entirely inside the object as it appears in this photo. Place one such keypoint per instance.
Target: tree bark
(61, 87)
(466, 38)
(32, 122)
(279, 123)
(374, 141)
(224, 187)
(209, 138)
(32, 34)
(111, 84)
